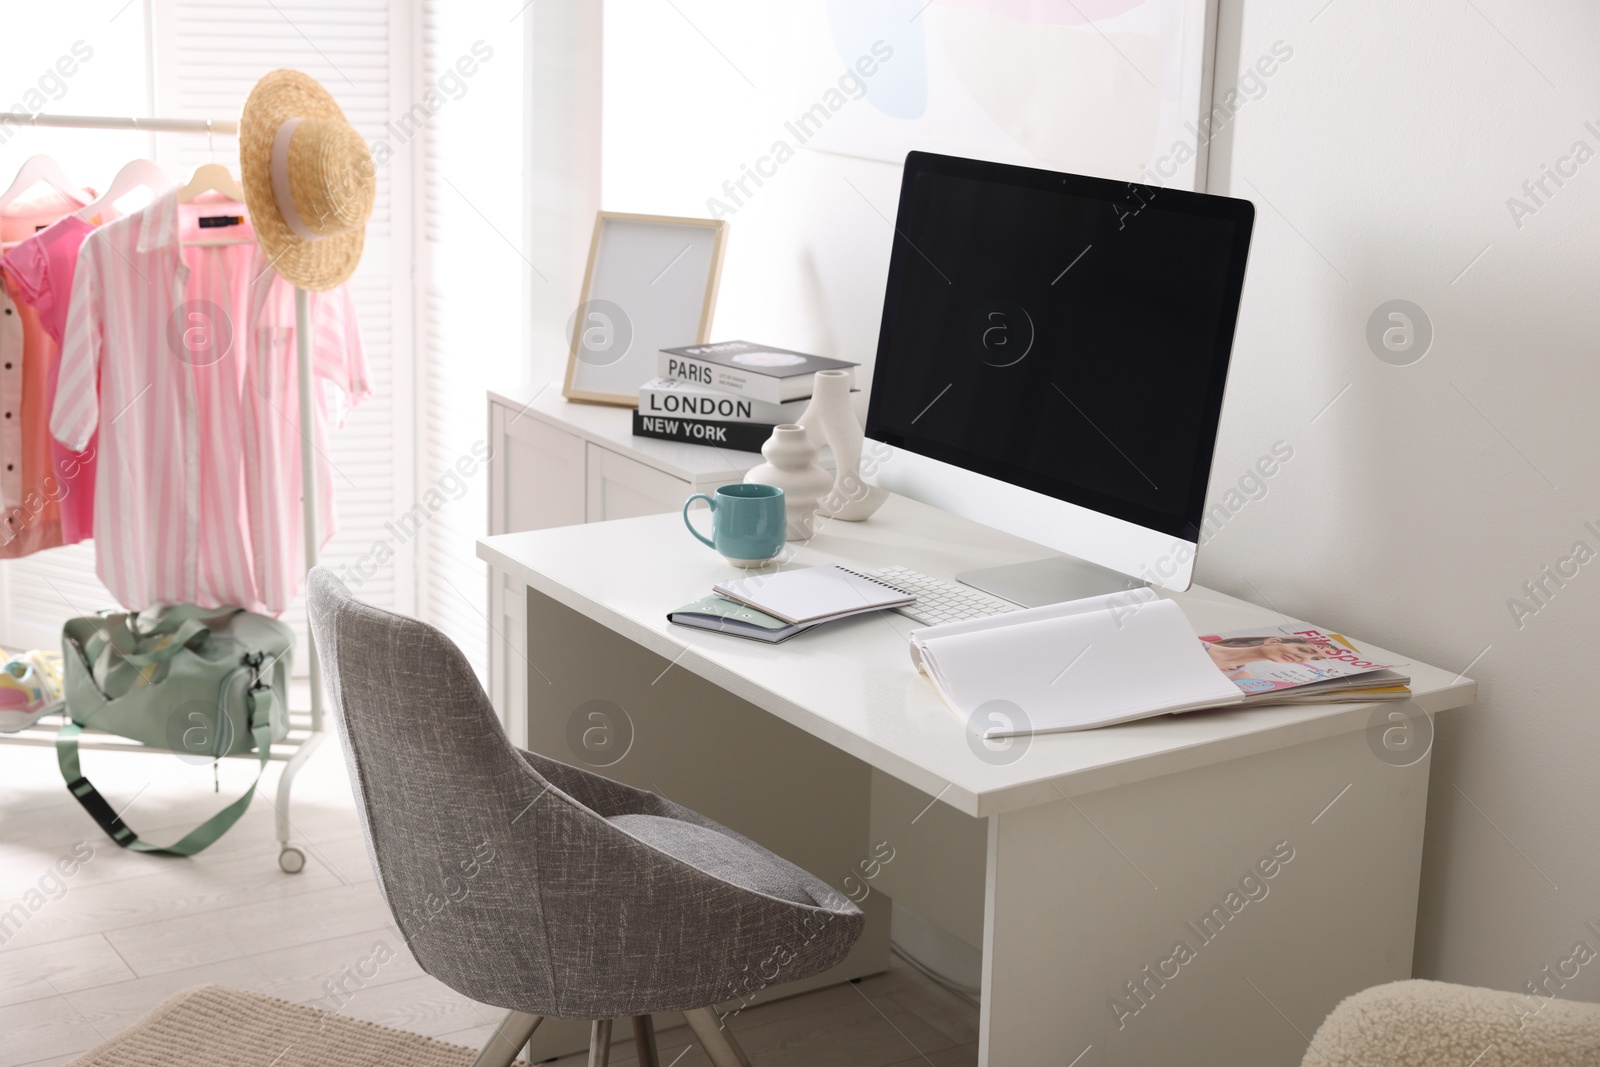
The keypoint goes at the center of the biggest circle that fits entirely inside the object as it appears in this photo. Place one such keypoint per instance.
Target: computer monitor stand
(1047, 581)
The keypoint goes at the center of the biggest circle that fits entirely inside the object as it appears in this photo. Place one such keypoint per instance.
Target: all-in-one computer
(1051, 363)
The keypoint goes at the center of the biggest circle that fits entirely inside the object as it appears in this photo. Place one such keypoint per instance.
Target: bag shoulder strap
(202, 836)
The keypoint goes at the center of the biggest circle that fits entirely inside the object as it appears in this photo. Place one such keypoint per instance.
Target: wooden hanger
(211, 178)
(138, 174)
(42, 169)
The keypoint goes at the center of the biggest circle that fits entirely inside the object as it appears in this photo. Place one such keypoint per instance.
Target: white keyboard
(940, 601)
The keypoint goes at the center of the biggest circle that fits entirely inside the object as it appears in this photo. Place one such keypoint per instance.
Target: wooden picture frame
(651, 283)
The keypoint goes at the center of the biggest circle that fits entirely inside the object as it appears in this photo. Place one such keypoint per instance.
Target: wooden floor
(96, 951)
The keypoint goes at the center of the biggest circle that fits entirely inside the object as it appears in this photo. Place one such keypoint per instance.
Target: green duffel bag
(200, 682)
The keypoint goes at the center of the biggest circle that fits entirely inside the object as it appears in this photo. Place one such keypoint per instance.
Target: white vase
(830, 420)
(792, 466)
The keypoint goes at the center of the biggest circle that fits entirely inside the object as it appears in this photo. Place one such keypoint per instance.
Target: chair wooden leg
(600, 1043)
(716, 1039)
(644, 1041)
(507, 1040)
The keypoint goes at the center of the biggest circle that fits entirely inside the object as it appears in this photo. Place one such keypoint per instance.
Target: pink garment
(33, 523)
(10, 404)
(42, 268)
(192, 350)
(20, 221)
(32, 518)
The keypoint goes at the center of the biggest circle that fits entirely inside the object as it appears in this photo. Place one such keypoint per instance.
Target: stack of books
(729, 394)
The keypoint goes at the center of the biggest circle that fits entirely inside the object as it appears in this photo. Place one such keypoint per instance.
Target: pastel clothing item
(31, 518)
(42, 267)
(24, 218)
(33, 523)
(184, 358)
(10, 403)
(30, 687)
(21, 221)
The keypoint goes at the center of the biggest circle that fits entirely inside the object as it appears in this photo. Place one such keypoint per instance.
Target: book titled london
(669, 396)
(761, 372)
(740, 436)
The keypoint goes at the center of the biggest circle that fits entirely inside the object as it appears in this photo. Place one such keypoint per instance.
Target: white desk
(1104, 849)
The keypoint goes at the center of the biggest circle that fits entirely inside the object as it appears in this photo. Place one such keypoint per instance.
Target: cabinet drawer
(622, 488)
(538, 474)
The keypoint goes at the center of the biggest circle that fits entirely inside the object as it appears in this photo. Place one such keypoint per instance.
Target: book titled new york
(761, 372)
(680, 399)
(740, 436)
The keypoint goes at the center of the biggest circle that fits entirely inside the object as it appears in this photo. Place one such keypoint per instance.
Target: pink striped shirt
(192, 348)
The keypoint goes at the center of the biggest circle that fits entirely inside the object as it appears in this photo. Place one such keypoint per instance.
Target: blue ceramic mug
(748, 524)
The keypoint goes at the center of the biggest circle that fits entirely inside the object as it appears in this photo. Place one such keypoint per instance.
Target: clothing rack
(306, 732)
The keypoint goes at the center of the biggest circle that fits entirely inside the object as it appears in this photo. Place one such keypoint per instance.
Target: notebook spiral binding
(875, 580)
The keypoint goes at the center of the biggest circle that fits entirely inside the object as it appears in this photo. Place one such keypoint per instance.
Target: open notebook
(1109, 659)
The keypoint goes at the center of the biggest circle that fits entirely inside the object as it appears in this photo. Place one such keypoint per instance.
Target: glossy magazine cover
(1285, 657)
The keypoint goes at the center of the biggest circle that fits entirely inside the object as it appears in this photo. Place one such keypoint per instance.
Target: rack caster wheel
(292, 860)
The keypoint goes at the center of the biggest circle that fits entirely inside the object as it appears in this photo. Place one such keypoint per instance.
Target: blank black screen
(1062, 333)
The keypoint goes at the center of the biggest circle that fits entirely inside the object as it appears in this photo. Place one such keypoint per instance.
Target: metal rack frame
(306, 729)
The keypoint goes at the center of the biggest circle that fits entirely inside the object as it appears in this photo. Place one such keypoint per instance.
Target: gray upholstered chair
(525, 883)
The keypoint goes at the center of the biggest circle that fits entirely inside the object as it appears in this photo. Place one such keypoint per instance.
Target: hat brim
(316, 265)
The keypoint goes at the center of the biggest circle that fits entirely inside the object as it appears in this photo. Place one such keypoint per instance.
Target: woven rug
(210, 1026)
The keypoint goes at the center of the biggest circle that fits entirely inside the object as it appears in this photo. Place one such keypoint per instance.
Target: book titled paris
(761, 372)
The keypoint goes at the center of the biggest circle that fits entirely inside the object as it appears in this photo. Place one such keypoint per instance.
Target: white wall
(561, 165)
(690, 101)
(472, 289)
(1420, 502)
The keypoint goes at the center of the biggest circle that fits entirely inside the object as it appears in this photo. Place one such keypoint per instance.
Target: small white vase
(830, 420)
(792, 466)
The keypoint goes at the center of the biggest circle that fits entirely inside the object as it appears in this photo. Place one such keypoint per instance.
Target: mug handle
(702, 537)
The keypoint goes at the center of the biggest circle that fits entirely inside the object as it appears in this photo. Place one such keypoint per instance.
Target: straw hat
(308, 180)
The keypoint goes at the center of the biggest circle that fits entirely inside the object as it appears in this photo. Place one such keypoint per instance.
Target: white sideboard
(559, 463)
